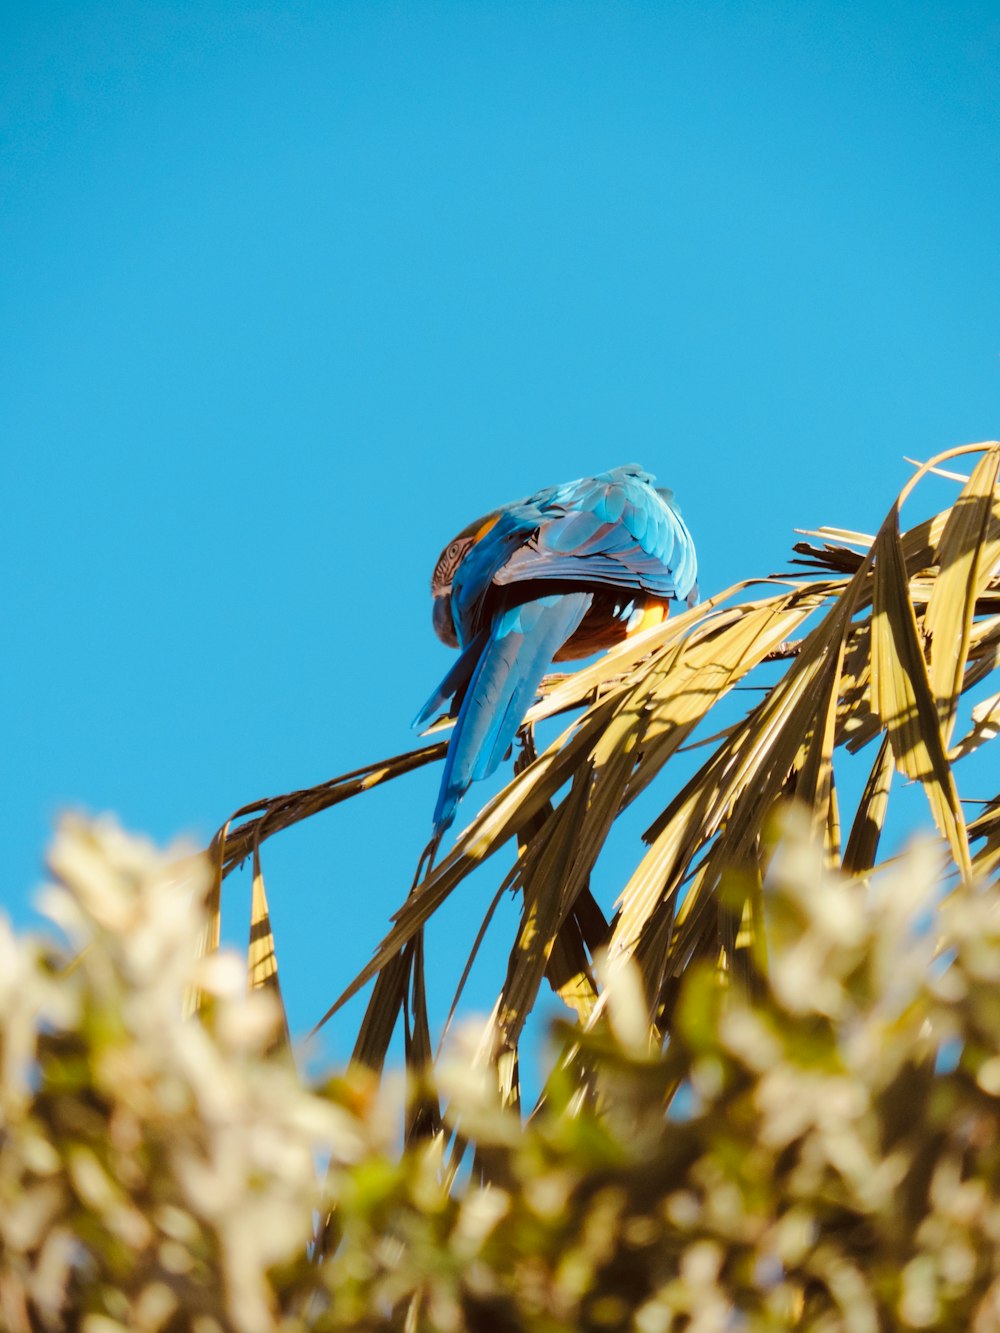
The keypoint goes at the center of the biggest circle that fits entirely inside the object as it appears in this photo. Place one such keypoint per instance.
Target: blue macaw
(559, 575)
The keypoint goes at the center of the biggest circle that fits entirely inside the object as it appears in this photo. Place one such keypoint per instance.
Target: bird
(557, 576)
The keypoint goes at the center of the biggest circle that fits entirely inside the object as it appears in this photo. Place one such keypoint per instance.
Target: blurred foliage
(823, 1155)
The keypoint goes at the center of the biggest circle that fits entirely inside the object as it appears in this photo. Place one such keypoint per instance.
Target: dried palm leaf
(896, 627)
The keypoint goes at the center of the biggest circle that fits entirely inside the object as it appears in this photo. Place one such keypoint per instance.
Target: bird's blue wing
(613, 529)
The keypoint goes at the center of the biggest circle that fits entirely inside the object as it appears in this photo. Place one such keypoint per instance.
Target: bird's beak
(444, 626)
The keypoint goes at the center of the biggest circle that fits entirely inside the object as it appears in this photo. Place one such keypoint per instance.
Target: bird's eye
(448, 562)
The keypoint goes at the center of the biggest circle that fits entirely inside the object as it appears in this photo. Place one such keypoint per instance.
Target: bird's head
(444, 574)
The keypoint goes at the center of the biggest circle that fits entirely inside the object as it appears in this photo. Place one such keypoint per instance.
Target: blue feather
(455, 680)
(636, 520)
(567, 535)
(516, 653)
(610, 505)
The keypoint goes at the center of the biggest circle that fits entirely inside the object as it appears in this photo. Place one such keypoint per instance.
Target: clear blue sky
(290, 292)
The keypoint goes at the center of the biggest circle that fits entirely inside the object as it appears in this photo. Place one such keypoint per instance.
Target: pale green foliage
(150, 1164)
(825, 1156)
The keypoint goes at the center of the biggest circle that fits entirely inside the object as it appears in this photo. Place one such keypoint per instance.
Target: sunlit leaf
(874, 638)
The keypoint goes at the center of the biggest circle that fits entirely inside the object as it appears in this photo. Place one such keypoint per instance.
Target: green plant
(823, 1154)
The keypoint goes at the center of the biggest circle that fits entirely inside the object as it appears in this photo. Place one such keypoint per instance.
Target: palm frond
(890, 632)
(262, 962)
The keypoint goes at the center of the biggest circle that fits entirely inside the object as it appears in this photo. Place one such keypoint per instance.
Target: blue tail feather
(454, 681)
(517, 651)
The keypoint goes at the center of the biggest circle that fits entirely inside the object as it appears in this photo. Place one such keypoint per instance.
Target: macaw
(557, 576)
